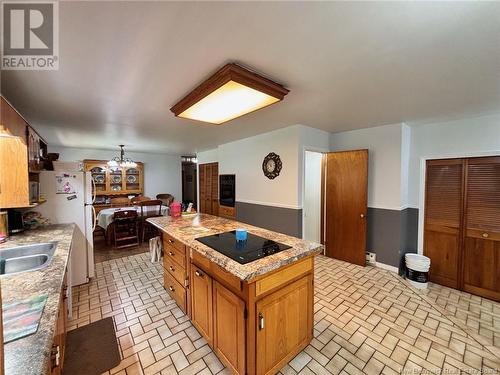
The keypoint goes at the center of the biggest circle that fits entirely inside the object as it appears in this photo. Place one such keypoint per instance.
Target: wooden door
(201, 303)
(284, 322)
(481, 255)
(443, 215)
(209, 188)
(346, 205)
(202, 175)
(214, 188)
(229, 328)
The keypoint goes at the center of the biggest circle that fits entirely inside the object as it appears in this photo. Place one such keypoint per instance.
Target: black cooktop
(243, 252)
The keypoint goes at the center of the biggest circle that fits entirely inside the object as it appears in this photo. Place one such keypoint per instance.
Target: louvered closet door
(443, 215)
(202, 175)
(214, 189)
(482, 228)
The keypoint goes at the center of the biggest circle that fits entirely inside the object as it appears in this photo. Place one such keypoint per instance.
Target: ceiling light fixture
(231, 92)
(121, 161)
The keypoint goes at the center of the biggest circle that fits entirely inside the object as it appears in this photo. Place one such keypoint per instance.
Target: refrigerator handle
(95, 217)
(94, 190)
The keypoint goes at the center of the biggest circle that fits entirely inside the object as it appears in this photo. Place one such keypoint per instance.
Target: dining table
(105, 217)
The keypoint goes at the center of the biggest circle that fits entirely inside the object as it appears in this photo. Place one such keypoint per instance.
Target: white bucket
(417, 270)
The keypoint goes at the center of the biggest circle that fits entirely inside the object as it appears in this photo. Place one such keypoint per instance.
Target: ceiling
(349, 65)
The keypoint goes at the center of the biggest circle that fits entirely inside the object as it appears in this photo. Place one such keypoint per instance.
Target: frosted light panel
(228, 102)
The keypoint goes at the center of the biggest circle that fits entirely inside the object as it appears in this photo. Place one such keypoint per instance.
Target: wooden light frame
(235, 73)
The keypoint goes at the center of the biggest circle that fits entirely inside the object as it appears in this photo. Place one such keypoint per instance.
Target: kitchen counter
(30, 354)
(187, 229)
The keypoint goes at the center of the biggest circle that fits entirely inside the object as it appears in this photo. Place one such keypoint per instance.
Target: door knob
(362, 216)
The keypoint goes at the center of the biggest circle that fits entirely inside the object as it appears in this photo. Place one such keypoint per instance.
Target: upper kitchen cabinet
(12, 121)
(37, 150)
(14, 171)
(14, 191)
(15, 124)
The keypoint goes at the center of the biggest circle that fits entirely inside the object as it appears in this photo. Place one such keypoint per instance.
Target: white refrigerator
(69, 197)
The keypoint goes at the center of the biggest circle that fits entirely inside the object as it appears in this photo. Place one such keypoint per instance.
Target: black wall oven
(227, 189)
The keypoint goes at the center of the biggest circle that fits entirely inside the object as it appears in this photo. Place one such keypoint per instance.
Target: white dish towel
(155, 249)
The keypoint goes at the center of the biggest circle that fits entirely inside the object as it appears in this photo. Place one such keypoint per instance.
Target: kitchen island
(256, 316)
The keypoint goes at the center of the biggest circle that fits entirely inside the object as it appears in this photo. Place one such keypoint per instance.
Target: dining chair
(126, 228)
(139, 198)
(149, 208)
(167, 199)
(120, 202)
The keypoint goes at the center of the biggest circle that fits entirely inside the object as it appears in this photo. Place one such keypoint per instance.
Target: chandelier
(121, 161)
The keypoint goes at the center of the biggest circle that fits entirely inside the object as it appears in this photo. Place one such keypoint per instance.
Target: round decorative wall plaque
(271, 166)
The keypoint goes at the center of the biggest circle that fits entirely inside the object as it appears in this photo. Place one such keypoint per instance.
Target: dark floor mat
(91, 349)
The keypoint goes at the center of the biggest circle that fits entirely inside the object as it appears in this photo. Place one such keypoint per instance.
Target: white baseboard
(387, 267)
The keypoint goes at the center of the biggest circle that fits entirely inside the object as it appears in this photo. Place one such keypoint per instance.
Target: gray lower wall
(391, 234)
(279, 219)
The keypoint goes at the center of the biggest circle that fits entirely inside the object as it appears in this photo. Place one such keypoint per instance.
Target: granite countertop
(187, 229)
(30, 354)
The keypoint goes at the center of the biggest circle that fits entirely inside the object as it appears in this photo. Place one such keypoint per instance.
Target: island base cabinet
(229, 328)
(202, 304)
(284, 321)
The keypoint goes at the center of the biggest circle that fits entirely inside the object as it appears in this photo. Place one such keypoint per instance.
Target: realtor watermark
(30, 35)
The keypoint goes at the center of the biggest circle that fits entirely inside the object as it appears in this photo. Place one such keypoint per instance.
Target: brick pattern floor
(367, 321)
(104, 251)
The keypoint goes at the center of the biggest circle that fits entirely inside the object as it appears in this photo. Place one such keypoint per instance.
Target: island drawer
(172, 252)
(217, 272)
(178, 272)
(171, 241)
(176, 290)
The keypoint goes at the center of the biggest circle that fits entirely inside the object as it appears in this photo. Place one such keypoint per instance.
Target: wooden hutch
(109, 183)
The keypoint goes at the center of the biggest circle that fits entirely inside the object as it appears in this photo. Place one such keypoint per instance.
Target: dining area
(124, 224)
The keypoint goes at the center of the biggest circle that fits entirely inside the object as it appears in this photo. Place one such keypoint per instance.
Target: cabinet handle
(55, 356)
(198, 273)
(261, 322)
(362, 216)
(486, 235)
(170, 241)
(171, 268)
(171, 253)
(171, 288)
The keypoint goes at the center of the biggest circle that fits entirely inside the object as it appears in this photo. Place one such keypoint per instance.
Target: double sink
(26, 258)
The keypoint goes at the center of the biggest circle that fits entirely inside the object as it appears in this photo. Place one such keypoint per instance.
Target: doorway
(189, 178)
(313, 196)
(335, 203)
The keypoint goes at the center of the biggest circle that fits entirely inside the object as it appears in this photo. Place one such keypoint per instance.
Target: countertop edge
(39, 344)
(223, 261)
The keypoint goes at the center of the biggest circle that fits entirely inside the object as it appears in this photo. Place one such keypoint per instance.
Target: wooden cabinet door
(443, 215)
(346, 194)
(481, 255)
(229, 328)
(284, 325)
(201, 303)
(14, 186)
